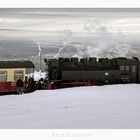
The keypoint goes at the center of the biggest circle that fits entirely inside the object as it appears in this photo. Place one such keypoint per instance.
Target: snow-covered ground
(112, 106)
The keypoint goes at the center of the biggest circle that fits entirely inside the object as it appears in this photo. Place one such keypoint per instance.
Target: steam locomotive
(71, 72)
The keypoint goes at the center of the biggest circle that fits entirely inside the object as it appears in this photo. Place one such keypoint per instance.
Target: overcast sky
(44, 23)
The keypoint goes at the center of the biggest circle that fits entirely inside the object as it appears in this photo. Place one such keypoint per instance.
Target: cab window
(18, 74)
(122, 67)
(133, 68)
(3, 76)
(127, 68)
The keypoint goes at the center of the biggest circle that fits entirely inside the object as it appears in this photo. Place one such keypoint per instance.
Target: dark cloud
(69, 12)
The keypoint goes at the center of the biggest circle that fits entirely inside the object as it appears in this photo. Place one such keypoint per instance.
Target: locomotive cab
(128, 70)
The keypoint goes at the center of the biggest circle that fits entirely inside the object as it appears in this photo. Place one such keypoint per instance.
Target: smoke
(101, 42)
(104, 43)
(97, 26)
(68, 37)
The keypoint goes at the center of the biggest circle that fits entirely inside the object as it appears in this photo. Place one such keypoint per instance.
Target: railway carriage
(10, 71)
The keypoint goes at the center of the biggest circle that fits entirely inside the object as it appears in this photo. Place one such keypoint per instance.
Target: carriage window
(29, 70)
(127, 68)
(133, 68)
(122, 67)
(3, 76)
(18, 74)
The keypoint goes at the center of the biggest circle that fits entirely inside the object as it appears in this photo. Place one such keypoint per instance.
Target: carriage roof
(16, 64)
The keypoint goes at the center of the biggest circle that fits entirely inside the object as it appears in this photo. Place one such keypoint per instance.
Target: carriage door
(134, 74)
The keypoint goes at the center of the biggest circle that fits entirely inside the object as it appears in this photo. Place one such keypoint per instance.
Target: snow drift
(112, 106)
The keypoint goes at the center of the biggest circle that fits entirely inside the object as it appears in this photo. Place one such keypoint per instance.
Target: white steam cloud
(102, 43)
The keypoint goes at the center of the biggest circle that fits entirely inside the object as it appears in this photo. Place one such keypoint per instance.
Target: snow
(110, 106)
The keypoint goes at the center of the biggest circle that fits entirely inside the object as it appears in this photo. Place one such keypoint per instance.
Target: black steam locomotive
(70, 72)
